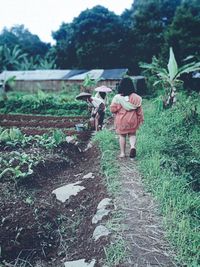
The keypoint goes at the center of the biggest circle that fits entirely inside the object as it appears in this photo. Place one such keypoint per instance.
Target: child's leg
(122, 144)
(132, 140)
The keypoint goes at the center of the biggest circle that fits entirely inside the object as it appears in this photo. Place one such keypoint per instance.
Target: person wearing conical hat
(97, 108)
(97, 111)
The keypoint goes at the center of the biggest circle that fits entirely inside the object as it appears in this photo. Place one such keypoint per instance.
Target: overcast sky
(41, 17)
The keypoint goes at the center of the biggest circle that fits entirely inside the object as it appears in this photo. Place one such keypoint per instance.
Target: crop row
(42, 124)
(45, 122)
(40, 117)
(40, 131)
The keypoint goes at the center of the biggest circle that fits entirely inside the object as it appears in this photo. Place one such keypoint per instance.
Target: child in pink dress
(128, 115)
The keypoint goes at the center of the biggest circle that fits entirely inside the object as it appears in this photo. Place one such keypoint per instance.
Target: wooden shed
(56, 80)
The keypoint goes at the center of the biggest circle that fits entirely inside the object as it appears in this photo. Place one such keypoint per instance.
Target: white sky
(41, 17)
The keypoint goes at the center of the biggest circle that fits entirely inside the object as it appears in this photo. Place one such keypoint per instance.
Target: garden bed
(40, 121)
(36, 228)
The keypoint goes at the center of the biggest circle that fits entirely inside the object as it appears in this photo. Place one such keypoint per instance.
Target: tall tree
(148, 21)
(184, 32)
(64, 50)
(26, 41)
(94, 39)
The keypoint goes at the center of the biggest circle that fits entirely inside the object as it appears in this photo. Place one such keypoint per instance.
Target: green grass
(109, 148)
(168, 150)
(169, 159)
(116, 251)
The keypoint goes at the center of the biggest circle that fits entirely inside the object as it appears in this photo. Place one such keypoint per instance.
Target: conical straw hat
(83, 95)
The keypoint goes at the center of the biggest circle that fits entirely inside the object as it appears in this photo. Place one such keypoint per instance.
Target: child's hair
(126, 87)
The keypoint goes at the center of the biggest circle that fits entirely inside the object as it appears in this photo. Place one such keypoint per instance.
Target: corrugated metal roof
(39, 75)
(112, 74)
(36, 75)
(93, 74)
(73, 72)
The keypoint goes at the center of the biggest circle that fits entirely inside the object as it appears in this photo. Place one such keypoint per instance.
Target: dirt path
(142, 226)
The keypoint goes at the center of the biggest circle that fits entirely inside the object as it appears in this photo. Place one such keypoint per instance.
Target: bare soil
(39, 230)
(143, 230)
(35, 226)
(39, 117)
(38, 125)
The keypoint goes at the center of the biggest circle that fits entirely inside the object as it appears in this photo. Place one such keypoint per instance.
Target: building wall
(57, 85)
(32, 86)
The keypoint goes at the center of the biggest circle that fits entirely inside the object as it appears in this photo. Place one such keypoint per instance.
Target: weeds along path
(142, 224)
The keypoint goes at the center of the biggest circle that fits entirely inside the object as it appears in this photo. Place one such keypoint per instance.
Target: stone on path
(64, 192)
(88, 176)
(99, 215)
(100, 231)
(104, 203)
(101, 210)
(79, 263)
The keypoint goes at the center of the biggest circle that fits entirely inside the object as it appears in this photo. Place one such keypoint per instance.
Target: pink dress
(128, 121)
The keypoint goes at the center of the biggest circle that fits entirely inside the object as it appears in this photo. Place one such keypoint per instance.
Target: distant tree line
(98, 38)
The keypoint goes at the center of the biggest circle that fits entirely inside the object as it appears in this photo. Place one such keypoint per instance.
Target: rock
(64, 192)
(99, 215)
(79, 263)
(101, 210)
(100, 231)
(88, 176)
(104, 203)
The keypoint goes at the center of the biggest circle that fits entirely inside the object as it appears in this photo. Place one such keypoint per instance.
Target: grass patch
(169, 158)
(115, 252)
(108, 146)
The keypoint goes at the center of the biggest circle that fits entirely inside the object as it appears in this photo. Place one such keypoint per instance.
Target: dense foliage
(169, 158)
(42, 103)
(98, 38)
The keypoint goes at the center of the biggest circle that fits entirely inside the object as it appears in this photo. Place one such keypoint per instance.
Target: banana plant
(169, 77)
(13, 57)
(46, 64)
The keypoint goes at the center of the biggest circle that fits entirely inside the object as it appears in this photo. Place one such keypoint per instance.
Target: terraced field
(38, 124)
(37, 228)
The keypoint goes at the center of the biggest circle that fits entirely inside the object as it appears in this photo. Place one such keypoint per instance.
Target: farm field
(41, 154)
(36, 227)
(67, 196)
(38, 124)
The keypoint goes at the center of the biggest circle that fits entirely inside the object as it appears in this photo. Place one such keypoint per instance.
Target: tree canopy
(98, 38)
